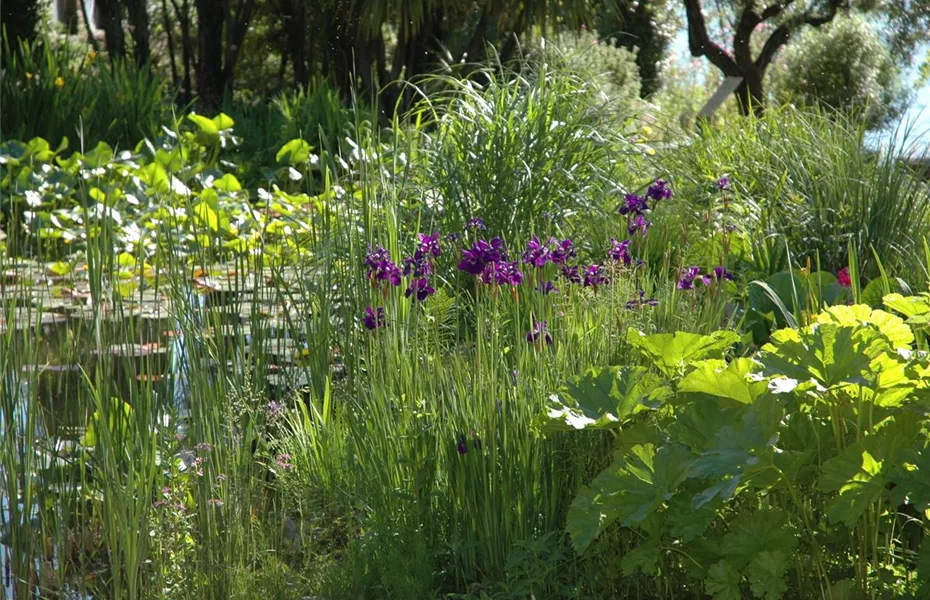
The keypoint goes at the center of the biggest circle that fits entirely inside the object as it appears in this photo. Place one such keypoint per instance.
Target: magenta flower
(428, 245)
(537, 253)
(721, 273)
(633, 204)
(638, 223)
(843, 278)
(689, 276)
(640, 301)
(659, 190)
(501, 273)
(562, 252)
(570, 272)
(722, 184)
(477, 224)
(547, 287)
(381, 267)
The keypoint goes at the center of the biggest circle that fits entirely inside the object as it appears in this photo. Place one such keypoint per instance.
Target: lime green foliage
(812, 445)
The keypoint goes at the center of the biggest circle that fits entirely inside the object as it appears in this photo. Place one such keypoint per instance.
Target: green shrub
(610, 68)
(843, 66)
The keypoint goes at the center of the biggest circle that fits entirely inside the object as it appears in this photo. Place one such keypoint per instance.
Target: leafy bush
(610, 68)
(730, 468)
(843, 66)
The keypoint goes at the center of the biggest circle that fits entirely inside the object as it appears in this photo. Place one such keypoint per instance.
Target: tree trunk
(172, 61)
(113, 28)
(294, 15)
(237, 25)
(210, 80)
(137, 10)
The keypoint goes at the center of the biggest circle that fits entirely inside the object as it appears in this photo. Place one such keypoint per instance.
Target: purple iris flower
(461, 447)
(562, 252)
(539, 333)
(571, 273)
(477, 224)
(501, 273)
(418, 267)
(594, 276)
(659, 190)
(420, 289)
(381, 267)
(722, 273)
(620, 251)
(547, 287)
(640, 301)
(476, 258)
(537, 253)
(722, 184)
(633, 204)
(429, 244)
(453, 237)
(638, 223)
(373, 319)
(691, 275)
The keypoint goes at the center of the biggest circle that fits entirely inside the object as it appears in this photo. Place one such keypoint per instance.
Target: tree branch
(783, 32)
(700, 44)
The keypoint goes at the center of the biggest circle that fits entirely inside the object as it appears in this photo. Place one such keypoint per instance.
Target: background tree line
(367, 45)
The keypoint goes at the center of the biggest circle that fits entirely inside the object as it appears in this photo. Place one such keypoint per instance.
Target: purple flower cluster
(374, 318)
(420, 265)
(595, 276)
(428, 245)
(547, 287)
(489, 262)
(381, 267)
(501, 272)
(539, 254)
(722, 184)
(420, 289)
(721, 273)
(692, 275)
(635, 207)
(570, 273)
(462, 446)
(476, 258)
